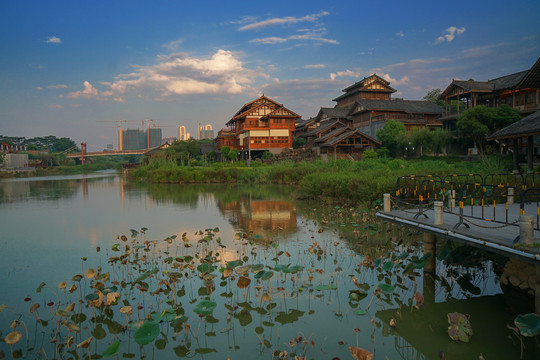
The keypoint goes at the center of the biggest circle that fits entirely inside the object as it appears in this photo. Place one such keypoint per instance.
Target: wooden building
(519, 90)
(371, 88)
(367, 105)
(261, 125)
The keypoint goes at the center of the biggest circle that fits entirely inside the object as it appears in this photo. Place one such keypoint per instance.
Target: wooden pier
(503, 233)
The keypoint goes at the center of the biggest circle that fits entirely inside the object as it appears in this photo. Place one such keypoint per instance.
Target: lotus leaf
(387, 289)
(293, 269)
(146, 333)
(460, 328)
(38, 290)
(243, 270)
(234, 263)
(256, 268)
(13, 337)
(360, 354)
(90, 273)
(388, 265)
(360, 312)
(205, 307)
(243, 282)
(528, 324)
(205, 268)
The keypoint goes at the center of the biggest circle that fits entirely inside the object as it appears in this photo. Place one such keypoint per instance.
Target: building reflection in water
(267, 218)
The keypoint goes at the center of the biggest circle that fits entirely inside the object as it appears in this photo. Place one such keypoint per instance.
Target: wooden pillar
(515, 143)
(530, 152)
(430, 247)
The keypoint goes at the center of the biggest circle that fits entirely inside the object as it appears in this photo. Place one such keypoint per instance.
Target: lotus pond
(94, 267)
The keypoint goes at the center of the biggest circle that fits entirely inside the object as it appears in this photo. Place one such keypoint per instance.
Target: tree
(232, 154)
(225, 152)
(267, 155)
(298, 143)
(478, 122)
(183, 151)
(391, 135)
(433, 96)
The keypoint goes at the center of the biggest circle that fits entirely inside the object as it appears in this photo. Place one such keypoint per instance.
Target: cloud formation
(400, 34)
(53, 40)
(88, 92)
(59, 86)
(180, 74)
(346, 73)
(314, 66)
(257, 25)
(315, 36)
(451, 33)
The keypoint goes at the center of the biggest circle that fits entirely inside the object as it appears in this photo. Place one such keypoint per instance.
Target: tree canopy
(478, 122)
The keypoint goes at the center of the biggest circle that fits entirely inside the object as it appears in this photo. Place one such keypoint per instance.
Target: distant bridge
(109, 153)
(84, 154)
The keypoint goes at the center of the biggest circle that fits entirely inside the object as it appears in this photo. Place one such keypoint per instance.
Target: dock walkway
(486, 234)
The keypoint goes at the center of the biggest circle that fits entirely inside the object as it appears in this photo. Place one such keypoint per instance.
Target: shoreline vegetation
(342, 181)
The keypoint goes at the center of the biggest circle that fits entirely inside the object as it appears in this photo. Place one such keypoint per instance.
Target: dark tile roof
(325, 125)
(472, 85)
(331, 134)
(508, 81)
(408, 106)
(335, 113)
(532, 78)
(346, 134)
(529, 125)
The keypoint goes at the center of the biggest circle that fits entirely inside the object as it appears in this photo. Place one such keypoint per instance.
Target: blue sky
(74, 68)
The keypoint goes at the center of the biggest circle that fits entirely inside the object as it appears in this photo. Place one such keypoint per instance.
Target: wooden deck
(489, 235)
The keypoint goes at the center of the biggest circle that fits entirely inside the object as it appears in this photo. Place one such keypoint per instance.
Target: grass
(337, 180)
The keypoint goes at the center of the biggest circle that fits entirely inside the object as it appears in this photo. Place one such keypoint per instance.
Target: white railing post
(526, 230)
(387, 205)
(438, 212)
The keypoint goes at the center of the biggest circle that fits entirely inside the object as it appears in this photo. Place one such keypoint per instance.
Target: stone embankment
(520, 275)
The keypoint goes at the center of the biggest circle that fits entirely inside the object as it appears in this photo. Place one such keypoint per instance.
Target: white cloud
(173, 45)
(180, 74)
(55, 106)
(53, 40)
(316, 35)
(452, 31)
(59, 86)
(282, 21)
(403, 81)
(314, 66)
(39, 88)
(400, 34)
(346, 73)
(88, 92)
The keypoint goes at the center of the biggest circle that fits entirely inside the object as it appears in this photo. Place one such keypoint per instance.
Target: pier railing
(472, 196)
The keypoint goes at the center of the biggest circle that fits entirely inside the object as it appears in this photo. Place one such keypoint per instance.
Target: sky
(76, 68)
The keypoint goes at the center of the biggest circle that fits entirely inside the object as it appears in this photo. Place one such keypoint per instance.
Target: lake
(93, 265)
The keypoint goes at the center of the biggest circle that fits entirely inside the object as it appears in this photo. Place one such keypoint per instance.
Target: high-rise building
(206, 132)
(134, 139)
(182, 133)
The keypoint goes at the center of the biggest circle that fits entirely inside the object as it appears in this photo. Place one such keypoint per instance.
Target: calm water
(49, 224)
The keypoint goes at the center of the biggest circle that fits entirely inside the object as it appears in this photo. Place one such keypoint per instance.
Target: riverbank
(332, 181)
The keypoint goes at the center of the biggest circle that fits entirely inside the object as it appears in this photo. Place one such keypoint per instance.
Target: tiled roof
(346, 134)
(332, 134)
(532, 78)
(335, 113)
(408, 106)
(325, 125)
(508, 81)
(529, 125)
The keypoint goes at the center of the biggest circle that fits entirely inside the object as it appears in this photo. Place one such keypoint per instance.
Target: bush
(369, 154)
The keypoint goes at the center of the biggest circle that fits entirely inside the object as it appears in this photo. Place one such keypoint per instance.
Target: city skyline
(69, 66)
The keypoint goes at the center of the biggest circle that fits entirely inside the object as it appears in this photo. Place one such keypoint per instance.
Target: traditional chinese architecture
(261, 125)
(367, 105)
(519, 90)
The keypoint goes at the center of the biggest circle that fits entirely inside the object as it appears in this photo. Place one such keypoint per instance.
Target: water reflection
(344, 255)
